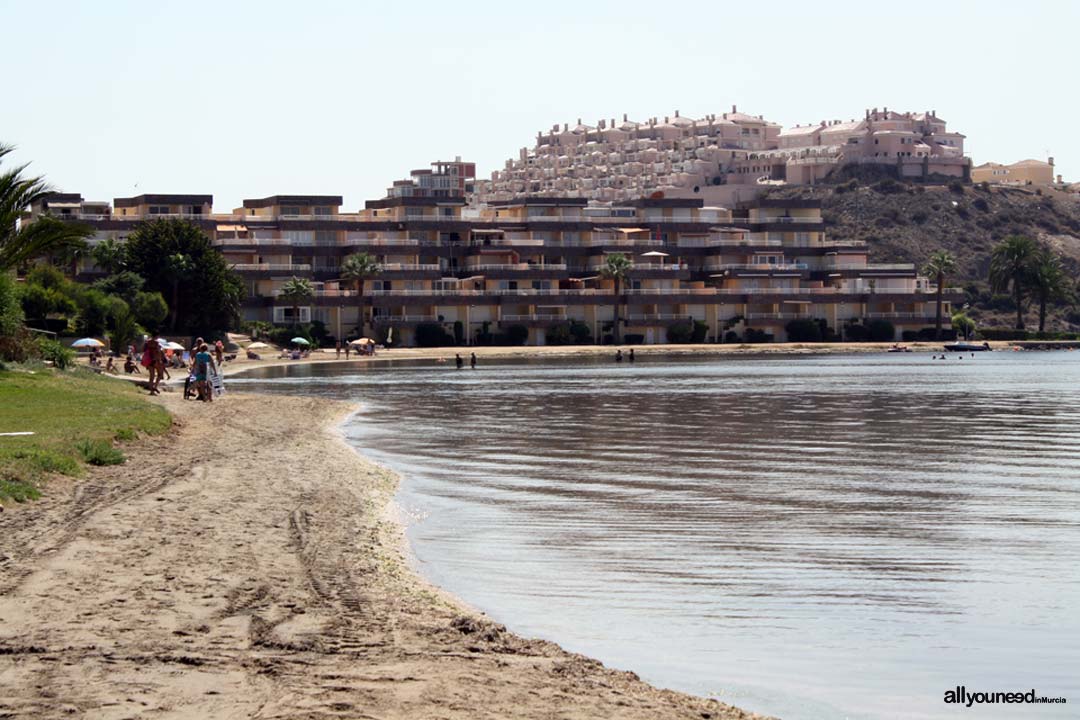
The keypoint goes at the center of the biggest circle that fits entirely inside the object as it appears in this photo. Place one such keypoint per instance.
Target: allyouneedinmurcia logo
(960, 696)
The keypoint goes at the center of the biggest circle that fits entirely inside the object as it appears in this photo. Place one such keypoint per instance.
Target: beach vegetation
(125, 285)
(359, 268)
(110, 255)
(616, 268)
(296, 291)
(64, 409)
(880, 331)
(52, 351)
(963, 325)
(517, 334)
(432, 334)
(804, 330)
(940, 265)
(1010, 270)
(1048, 281)
(99, 452)
(150, 310)
(21, 243)
(175, 258)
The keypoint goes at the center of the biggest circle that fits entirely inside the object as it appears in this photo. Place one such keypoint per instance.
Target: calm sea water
(812, 537)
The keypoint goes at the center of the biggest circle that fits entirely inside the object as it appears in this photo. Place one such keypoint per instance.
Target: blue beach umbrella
(299, 341)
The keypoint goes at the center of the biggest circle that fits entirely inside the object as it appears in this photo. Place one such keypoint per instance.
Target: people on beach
(472, 361)
(631, 354)
(618, 356)
(459, 361)
(130, 366)
(347, 349)
(219, 352)
(203, 362)
(149, 361)
(337, 350)
(110, 367)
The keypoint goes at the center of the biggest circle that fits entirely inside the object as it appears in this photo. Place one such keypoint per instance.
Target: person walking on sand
(149, 359)
(203, 361)
(459, 361)
(472, 361)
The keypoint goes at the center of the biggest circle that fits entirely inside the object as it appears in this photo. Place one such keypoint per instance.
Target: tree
(358, 268)
(124, 328)
(296, 291)
(940, 264)
(1048, 281)
(95, 311)
(124, 284)
(206, 299)
(11, 314)
(616, 267)
(150, 310)
(21, 242)
(1010, 266)
(180, 267)
(963, 325)
(109, 255)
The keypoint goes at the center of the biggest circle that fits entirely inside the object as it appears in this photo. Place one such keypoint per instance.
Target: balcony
(539, 317)
(673, 266)
(644, 317)
(390, 267)
(922, 317)
(777, 316)
(272, 267)
(396, 319)
(875, 266)
(757, 266)
(513, 266)
(785, 219)
(696, 242)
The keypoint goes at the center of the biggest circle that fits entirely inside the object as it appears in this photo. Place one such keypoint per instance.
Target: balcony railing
(536, 316)
(924, 296)
(875, 266)
(409, 266)
(513, 266)
(273, 267)
(757, 266)
(724, 242)
(785, 219)
(777, 316)
(389, 319)
(642, 317)
(899, 316)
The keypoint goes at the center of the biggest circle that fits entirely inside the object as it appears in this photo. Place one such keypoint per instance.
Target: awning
(232, 228)
(655, 253)
(479, 231)
(632, 230)
(797, 302)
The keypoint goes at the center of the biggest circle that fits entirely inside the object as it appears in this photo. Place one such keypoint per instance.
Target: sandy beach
(249, 565)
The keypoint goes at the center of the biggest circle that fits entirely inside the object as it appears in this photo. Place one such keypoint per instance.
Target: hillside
(903, 222)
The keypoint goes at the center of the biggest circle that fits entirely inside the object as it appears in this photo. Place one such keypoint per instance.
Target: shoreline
(242, 364)
(250, 562)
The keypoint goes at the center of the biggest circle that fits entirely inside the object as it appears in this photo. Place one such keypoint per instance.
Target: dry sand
(245, 566)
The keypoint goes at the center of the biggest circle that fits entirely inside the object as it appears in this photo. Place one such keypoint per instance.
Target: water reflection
(812, 537)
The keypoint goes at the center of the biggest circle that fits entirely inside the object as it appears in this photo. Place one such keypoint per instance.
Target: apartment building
(1024, 172)
(721, 159)
(536, 262)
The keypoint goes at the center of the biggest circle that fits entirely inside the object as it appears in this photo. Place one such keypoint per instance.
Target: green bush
(559, 334)
(580, 332)
(754, 335)
(150, 310)
(680, 332)
(60, 356)
(881, 330)
(701, 331)
(99, 452)
(11, 313)
(803, 330)
(459, 332)
(856, 333)
(517, 334)
(1003, 334)
(731, 336)
(430, 334)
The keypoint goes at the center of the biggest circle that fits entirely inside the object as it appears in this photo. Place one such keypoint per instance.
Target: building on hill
(722, 159)
(536, 262)
(1025, 172)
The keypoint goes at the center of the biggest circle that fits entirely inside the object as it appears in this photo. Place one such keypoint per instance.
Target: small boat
(967, 347)
(899, 348)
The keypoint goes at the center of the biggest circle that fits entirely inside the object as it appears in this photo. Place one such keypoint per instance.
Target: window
(290, 210)
(324, 211)
(159, 209)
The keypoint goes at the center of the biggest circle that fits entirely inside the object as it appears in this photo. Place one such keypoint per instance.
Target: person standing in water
(618, 356)
(631, 354)
(459, 361)
(472, 361)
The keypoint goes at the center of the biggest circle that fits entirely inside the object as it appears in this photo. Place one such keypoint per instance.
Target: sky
(244, 100)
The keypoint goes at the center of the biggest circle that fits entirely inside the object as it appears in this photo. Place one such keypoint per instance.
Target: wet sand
(249, 565)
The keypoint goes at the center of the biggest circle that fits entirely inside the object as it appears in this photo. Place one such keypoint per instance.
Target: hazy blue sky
(251, 99)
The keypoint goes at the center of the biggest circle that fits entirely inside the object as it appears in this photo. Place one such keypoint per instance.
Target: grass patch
(75, 417)
(99, 452)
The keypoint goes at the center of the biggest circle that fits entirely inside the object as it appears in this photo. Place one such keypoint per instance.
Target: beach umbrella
(172, 346)
(361, 341)
(257, 346)
(299, 341)
(87, 342)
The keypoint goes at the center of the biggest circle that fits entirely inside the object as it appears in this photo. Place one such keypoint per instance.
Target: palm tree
(1010, 265)
(616, 266)
(296, 291)
(940, 264)
(179, 267)
(21, 242)
(358, 268)
(1048, 281)
(109, 255)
